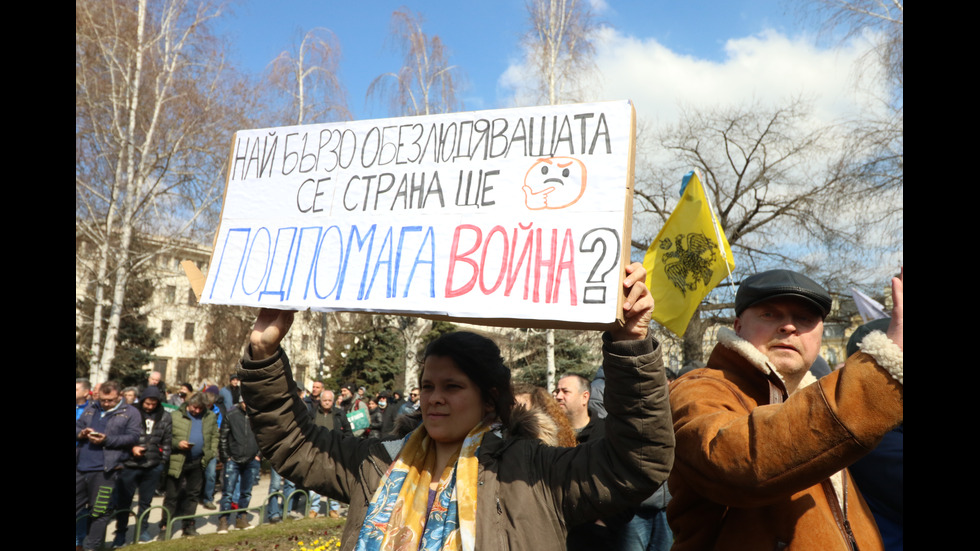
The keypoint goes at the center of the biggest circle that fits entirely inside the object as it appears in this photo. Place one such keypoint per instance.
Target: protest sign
(503, 217)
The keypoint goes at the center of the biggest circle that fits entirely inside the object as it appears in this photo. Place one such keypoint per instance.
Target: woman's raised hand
(637, 307)
(270, 328)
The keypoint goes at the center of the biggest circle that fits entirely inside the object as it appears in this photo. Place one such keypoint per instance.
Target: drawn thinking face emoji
(554, 183)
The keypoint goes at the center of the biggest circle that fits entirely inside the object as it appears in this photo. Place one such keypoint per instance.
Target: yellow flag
(687, 259)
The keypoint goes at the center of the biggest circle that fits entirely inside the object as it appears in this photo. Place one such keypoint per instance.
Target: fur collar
(728, 338)
(534, 424)
(886, 353)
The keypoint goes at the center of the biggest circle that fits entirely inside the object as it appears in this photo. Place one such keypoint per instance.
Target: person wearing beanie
(350, 403)
(142, 472)
(762, 446)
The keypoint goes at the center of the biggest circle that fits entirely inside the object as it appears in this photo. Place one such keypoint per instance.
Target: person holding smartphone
(196, 437)
(105, 433)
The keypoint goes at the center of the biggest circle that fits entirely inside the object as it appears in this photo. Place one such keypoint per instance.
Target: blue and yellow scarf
(399, 518)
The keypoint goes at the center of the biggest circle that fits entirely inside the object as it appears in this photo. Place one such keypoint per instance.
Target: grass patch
(290, 535)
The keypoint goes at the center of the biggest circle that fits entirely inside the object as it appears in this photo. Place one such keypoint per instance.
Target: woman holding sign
(467, 478)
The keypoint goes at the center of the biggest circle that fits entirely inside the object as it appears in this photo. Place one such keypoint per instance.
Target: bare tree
(426, 83)
(308, 76)
(879, 132)
(882, 129)
(560, 50)
(854, 16)
(412, 330)
(786, 192)
(227, 329)
(151, 124)
(560, 47)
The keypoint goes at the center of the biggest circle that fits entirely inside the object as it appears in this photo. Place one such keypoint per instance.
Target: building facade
(199, 344)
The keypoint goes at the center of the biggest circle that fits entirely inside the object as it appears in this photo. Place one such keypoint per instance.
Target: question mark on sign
(608, 259)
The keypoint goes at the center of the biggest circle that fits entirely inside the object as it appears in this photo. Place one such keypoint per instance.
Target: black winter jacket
(157, 430)
(237, 442)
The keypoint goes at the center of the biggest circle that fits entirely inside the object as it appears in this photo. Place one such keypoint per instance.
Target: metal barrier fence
(167, 525)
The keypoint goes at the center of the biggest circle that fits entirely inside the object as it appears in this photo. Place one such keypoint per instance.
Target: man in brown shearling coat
(762, 446)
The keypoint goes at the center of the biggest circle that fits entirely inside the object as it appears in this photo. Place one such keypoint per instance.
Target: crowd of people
(751, 451)
(188, 446)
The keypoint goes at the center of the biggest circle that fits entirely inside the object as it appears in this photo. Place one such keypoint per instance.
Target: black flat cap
(781, 283)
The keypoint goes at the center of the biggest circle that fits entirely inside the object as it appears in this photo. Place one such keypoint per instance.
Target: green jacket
(182, 431)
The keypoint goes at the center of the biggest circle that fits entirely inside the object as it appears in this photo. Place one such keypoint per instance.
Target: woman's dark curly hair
(479, 358)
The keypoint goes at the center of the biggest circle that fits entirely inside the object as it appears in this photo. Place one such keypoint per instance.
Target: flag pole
(717, 228)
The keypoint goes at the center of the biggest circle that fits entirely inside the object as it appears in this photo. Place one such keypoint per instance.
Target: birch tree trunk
(148, 81)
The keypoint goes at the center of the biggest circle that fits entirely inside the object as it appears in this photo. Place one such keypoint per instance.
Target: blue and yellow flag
(689, 257)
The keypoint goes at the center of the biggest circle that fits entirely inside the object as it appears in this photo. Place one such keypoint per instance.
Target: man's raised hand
(895, 328)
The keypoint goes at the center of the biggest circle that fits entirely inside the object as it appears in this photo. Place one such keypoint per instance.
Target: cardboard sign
(504, 217)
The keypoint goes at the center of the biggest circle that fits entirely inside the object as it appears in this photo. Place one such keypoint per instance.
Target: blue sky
(483, 37)
(665, 56)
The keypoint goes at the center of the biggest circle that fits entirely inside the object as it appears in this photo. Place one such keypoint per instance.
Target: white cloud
(598, 6)
(768, 68)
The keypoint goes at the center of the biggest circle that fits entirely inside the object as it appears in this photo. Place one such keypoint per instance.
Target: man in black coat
(239, 452)
(326, 414)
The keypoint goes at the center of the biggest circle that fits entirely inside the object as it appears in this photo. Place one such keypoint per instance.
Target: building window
(183, 369)
(165, 329)
(300, 372)
(831, 357)
(189, 331)
(212, 368)
(191, 298)
(170, 295)
(161, 366)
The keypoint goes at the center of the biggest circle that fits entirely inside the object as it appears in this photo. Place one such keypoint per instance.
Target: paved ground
(205, 525)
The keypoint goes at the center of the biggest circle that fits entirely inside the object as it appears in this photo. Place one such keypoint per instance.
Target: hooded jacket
(759, 470)
(528, 493)
(156, 432)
